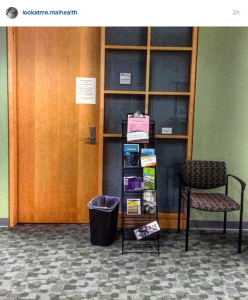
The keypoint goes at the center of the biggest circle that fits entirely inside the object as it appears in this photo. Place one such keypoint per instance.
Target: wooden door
(57, 169)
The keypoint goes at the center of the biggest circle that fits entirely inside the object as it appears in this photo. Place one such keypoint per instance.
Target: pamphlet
(146, 230)
(149, 178)
(147, 151)
(148, 161)
(133, 206)
(131, 155)
(132, 183)
(149, 202)
(140, 136)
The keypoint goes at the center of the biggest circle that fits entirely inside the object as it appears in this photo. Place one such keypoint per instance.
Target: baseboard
(194, 224)
(216, 225)
(4, 222)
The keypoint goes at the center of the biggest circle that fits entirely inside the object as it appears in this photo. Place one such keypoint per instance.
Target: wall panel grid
(150, 69)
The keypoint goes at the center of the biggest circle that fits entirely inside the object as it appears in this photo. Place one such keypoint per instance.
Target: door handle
(92, 137)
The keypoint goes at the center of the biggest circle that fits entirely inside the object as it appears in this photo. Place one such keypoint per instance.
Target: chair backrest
(204, 174)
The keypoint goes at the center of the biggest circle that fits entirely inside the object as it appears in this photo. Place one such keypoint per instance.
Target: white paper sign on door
(85, 90)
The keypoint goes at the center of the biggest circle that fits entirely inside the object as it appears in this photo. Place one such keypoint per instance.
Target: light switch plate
(166, 130)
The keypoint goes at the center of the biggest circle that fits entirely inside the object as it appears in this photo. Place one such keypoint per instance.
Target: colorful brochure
(131, 155)
(132, 183)
(149, 178)
(133, 206)
(148, 161)
(146, 230)
(147, 151)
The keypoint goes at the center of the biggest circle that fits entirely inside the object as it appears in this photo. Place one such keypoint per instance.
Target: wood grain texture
(191, 105)
(152, 48)
(170, 136)
(171, 48)
(165, 220)
(148, 56)
(88, 168)
(11, 45)
(101, 126)
(57, 169)
(113, 135)
(26, 123)
(124, 92)
(112, 47)
(170, 93)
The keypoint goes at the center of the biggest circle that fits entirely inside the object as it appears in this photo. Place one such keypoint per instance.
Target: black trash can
(103, 219)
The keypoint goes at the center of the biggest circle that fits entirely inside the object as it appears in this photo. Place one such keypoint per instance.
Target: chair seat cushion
(212, 202)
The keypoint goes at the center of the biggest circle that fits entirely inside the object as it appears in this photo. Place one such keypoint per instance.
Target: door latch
(92, 137)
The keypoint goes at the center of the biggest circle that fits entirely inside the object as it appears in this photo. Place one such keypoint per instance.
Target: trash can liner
(104, 203)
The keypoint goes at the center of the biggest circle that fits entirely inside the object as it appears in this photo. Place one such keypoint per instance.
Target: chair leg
(225, 213)
(240, 230)
(187, 225)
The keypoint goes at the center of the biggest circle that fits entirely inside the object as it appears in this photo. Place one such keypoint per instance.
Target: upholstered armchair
(206, 175)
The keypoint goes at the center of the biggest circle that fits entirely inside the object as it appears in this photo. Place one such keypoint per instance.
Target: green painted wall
(4, 193)
(221, 106)
(221, 109)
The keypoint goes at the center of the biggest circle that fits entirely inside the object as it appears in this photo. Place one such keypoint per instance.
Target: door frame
(12, 114)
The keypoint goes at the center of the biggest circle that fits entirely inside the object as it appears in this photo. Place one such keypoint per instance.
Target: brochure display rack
(140, 229)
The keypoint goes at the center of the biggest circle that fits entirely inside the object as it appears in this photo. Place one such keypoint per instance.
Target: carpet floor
(58, 261)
